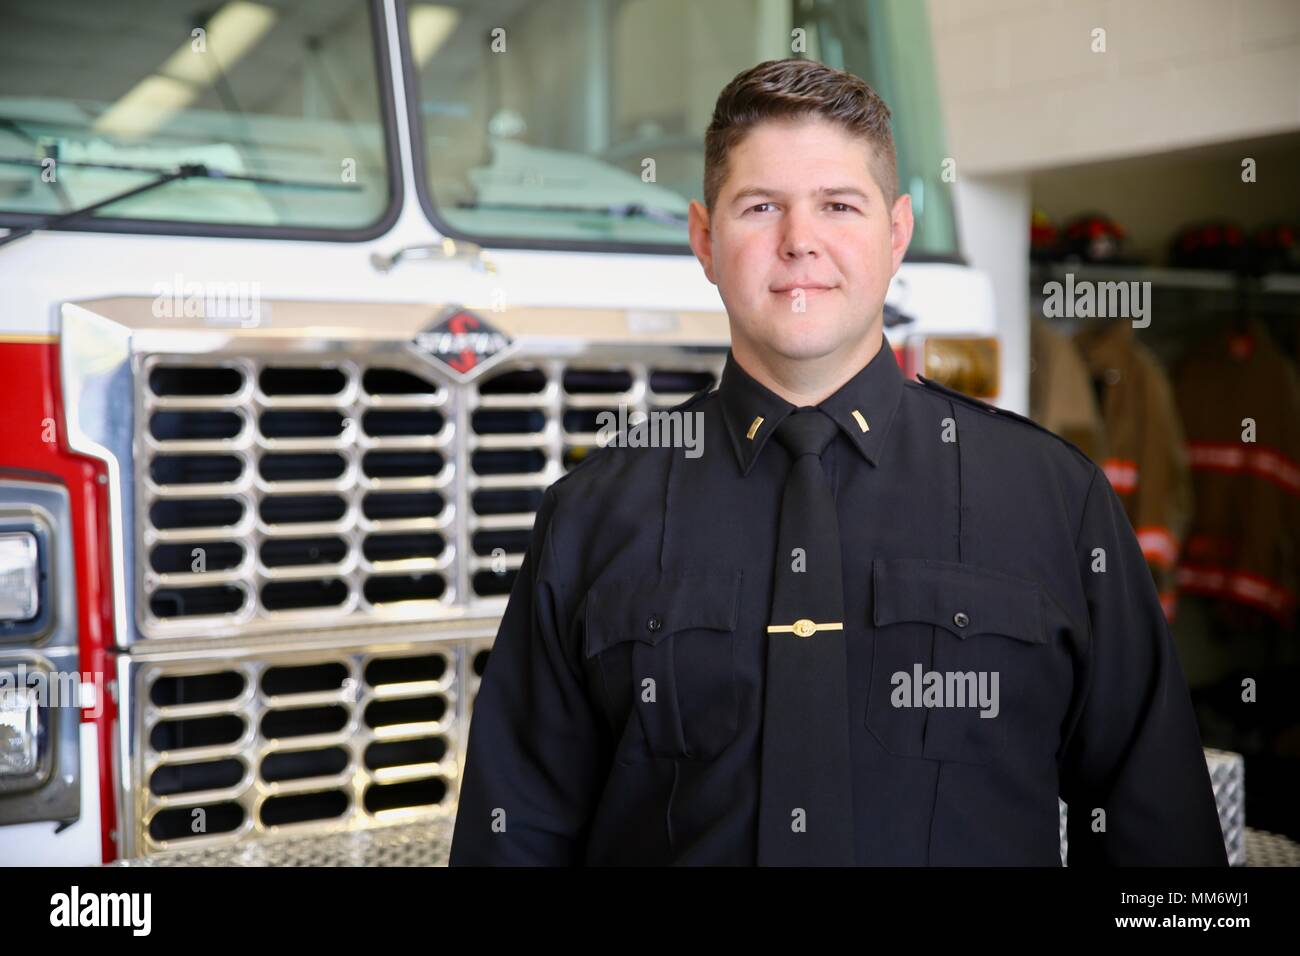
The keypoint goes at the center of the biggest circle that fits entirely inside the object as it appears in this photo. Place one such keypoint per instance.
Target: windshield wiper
(183, 171)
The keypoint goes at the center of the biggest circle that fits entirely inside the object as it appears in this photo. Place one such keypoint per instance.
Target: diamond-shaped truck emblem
(462, 341)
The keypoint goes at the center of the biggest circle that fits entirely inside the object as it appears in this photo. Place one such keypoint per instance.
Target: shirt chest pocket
(953, 649)
(664, 651)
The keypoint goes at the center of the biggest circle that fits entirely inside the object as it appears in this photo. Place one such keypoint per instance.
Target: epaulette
(963, 397)
(994, 410)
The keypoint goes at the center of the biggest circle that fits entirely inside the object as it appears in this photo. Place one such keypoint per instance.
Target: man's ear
(900, 229)
(701, 237)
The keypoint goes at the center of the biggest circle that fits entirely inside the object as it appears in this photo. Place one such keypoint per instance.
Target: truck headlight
(19, 577)
(19, 731)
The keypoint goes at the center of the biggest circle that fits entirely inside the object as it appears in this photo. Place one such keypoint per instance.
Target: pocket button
(960, 619)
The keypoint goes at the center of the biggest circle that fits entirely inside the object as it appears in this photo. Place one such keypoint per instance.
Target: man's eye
(841, 206)
(758, 206)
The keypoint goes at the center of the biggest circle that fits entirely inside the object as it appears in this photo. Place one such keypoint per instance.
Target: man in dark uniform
(875, 622)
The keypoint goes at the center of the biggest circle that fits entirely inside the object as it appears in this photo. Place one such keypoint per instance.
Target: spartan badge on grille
(461, 340)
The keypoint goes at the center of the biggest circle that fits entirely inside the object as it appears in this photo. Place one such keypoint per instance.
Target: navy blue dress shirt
(620, 716)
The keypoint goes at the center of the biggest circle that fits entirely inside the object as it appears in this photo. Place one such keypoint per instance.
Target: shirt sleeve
(535, 755)
(1134, 752)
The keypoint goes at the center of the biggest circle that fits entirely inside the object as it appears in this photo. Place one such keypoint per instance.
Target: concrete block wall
(1024, 90)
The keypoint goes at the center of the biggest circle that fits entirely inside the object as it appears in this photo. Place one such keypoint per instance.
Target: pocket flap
(648, 609)
(936, 592)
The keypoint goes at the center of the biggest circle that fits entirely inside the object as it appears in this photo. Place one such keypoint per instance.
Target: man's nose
(799, 237)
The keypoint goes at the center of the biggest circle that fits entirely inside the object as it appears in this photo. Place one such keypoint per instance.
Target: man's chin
(804, 349)
(811, 343)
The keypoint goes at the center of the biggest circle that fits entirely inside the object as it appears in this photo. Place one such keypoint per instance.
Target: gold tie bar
(803, 628)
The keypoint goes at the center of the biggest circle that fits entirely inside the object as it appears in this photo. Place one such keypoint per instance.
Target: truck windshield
(97, 98)
(580, 122)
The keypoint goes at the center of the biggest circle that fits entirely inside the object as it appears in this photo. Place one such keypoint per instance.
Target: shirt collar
(863, 407)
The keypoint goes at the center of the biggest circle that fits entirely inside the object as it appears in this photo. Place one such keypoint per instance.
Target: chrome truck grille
(265, 743)
(318, 525)
(275, 494)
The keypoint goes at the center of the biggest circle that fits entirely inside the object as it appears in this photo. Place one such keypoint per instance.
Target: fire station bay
(648, 432)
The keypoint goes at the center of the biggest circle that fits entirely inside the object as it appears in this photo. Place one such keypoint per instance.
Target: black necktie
(805, 815)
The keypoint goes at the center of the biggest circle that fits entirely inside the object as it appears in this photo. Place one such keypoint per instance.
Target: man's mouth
(811, 288)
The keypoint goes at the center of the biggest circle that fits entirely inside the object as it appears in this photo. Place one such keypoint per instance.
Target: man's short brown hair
(794, 89)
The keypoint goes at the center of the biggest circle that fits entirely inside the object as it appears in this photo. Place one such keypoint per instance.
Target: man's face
(802, 242)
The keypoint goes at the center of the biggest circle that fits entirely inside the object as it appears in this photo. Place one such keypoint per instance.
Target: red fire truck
(302, 306)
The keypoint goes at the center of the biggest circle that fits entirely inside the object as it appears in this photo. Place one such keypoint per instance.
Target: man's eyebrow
(751, 192)
(844, 191)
